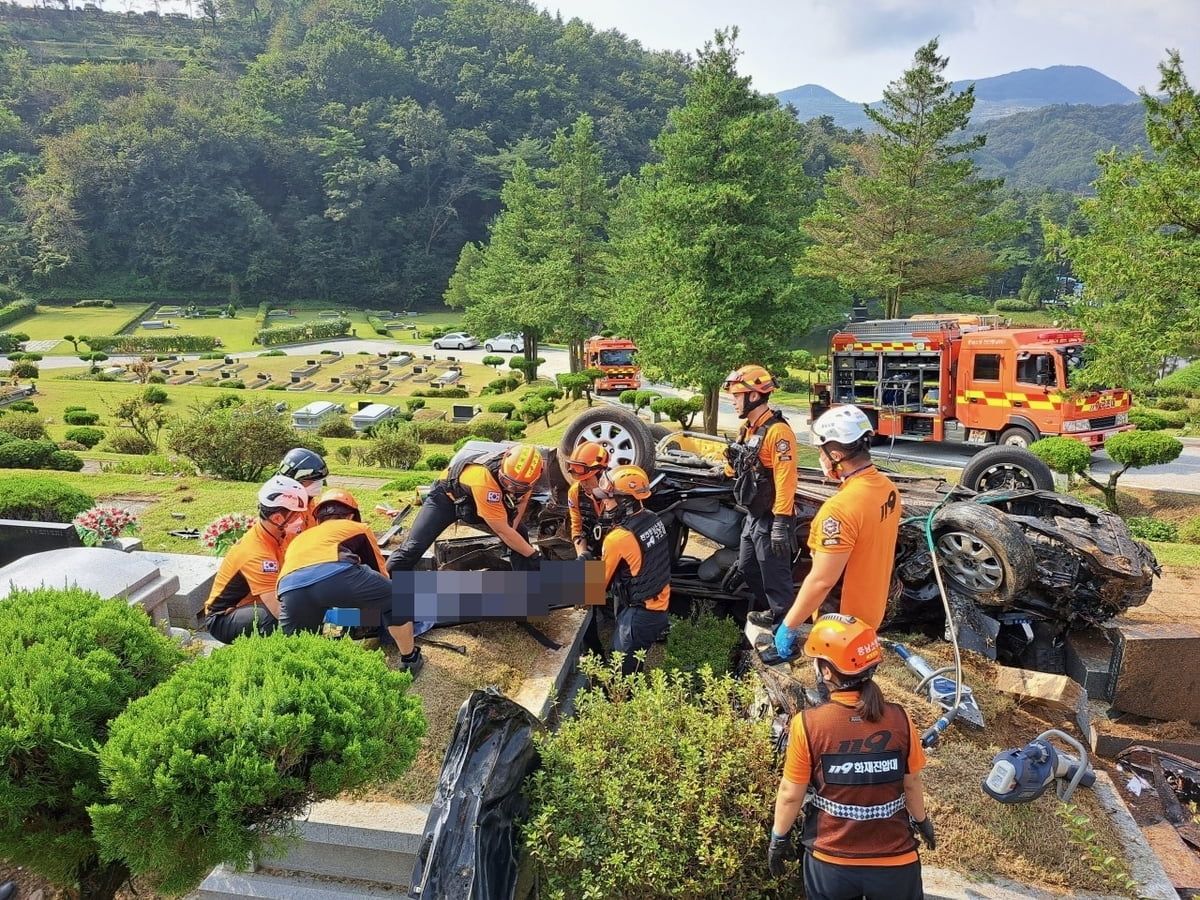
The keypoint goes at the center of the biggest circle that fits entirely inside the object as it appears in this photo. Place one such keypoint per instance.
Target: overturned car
(1022, 565)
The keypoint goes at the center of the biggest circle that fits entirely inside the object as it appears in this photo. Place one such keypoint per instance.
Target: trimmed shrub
(793, 385)
(603, 822)
(494, 429)
(706, 640)
(41, 499)
(156, 378)
(437, 461)
(154, 394)
(65, 461)
(505, 407)
(72, 445)
(87, 436)
(1170, 404)
(81, 417)
(516, 430)
(1010, 304)
(440, 431)
(393, 448)
(75, 661)
(1065, 455)
(455, 393)
(26, 454)
(1183, 382)
(24, 425)
(25, 406)
(1148, 528)
(412, 404)
(336, 427)
(1148, 419)
(213, 763)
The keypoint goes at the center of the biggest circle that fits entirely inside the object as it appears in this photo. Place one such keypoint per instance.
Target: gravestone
(110, 573)
(20, 538)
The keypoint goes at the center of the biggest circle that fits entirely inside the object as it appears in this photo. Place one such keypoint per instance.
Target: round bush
(1148, 419)
(41, 499)
(502, 406)
(156, 378)
(336, 428)
(74, 446)
(71, 663)
(64, 461)
(87, 436)
(26, 454)
(154, 394)
(80, 417)
(1170, 404)
(437, 461)
(128, 443)
(410, 481)
(23, 406)
(211, 763)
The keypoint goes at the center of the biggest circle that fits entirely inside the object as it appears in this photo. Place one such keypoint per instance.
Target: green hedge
(377, 323)
(305, 331)
(16, 311)
(41, 499)
(128, 344)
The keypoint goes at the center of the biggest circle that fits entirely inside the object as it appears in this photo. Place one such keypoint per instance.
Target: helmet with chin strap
(845, 425)
(750, 378)
(849, 645)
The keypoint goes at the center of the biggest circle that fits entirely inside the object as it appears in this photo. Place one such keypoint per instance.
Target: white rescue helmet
(281, 492)
(846, 425)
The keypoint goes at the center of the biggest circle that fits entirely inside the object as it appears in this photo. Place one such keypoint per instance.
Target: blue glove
(785, 641)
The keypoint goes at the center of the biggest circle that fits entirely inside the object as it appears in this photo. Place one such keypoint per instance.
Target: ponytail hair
(870, 697)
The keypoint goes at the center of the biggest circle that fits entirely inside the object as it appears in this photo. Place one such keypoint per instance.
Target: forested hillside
(339, 149)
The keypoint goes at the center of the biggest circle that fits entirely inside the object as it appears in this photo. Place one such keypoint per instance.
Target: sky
(856, 47)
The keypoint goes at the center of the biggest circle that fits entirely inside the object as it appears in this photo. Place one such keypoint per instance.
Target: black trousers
(828, 881)
(361, 587)
(769, 577)
(241, 621)
(438, 513)
(637, 629)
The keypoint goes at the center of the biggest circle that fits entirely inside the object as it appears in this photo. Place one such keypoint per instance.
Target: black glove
(533, 561)
(586, 554)
(781, 538)
(779, 851)
(924, 830)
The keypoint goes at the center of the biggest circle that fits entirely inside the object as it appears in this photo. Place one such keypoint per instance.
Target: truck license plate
(976, 436)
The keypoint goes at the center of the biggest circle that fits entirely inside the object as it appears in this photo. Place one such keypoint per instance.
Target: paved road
(1183, 475)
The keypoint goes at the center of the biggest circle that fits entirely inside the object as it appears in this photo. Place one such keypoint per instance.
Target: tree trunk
(101, 881)
(712, 400)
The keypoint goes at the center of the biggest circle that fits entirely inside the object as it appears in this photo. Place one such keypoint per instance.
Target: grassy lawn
(50, 323)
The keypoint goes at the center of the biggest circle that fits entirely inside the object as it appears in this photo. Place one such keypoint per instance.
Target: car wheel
(437, 346)
(1006, 468)
(488, 347)
(1016, 437)
(624, 434)
(513, 349)
(982, 553)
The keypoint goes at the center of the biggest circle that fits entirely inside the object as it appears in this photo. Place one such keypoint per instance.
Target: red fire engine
(617, 359)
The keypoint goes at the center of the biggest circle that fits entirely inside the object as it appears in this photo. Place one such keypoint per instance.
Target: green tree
(240, 441)
(707, 239)
(908, 215)
(146, 418)
(1129, 449)
(1139, 257)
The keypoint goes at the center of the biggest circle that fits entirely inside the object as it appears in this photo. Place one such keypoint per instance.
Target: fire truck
(969, 378)
(617, 359)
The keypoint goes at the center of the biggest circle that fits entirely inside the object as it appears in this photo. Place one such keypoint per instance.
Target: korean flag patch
(493, 496)
(270, 565)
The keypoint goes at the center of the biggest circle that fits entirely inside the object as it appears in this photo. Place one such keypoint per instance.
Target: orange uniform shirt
(249, 570)
(489, 499)
(620, 544)
(861, 519)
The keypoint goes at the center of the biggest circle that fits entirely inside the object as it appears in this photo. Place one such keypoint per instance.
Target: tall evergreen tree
(1139, 257)
(908, 216)
(709, 241)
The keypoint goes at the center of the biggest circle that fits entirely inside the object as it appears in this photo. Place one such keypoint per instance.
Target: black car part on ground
(470, 848)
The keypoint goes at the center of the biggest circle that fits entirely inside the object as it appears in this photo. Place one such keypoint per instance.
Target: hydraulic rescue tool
(940, 689)
(1024, 774)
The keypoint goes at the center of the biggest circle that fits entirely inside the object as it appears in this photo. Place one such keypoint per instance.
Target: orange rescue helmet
(337, 497)
(588, 459)
(520, 468)
(846, 643)
(750, 378)
(629, 481)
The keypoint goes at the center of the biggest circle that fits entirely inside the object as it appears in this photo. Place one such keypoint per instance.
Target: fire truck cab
(967, 378)
(617, 359)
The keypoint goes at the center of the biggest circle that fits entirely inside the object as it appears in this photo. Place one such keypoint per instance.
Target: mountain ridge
(996, 96)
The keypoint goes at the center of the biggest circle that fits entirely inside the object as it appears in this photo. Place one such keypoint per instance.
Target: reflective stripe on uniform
(858, 813)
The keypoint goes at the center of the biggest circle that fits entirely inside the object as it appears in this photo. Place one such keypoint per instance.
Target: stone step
(223, 882)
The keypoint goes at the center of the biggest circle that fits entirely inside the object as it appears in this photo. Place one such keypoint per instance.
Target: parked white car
(512, 341)
(455, 340)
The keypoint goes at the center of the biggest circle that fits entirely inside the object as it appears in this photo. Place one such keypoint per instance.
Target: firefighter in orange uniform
(243, 598)
(763, 465)
(863, 758)
(585, 465)
(852, 537)
(337, 563)
(489, 491)
(637, 563)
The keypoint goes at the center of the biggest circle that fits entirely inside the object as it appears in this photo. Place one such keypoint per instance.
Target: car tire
(513, 349)
(1006, 468)
(1016, 436)
(982, 553)
(437, 346)
(625, 435)
(488, 347)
